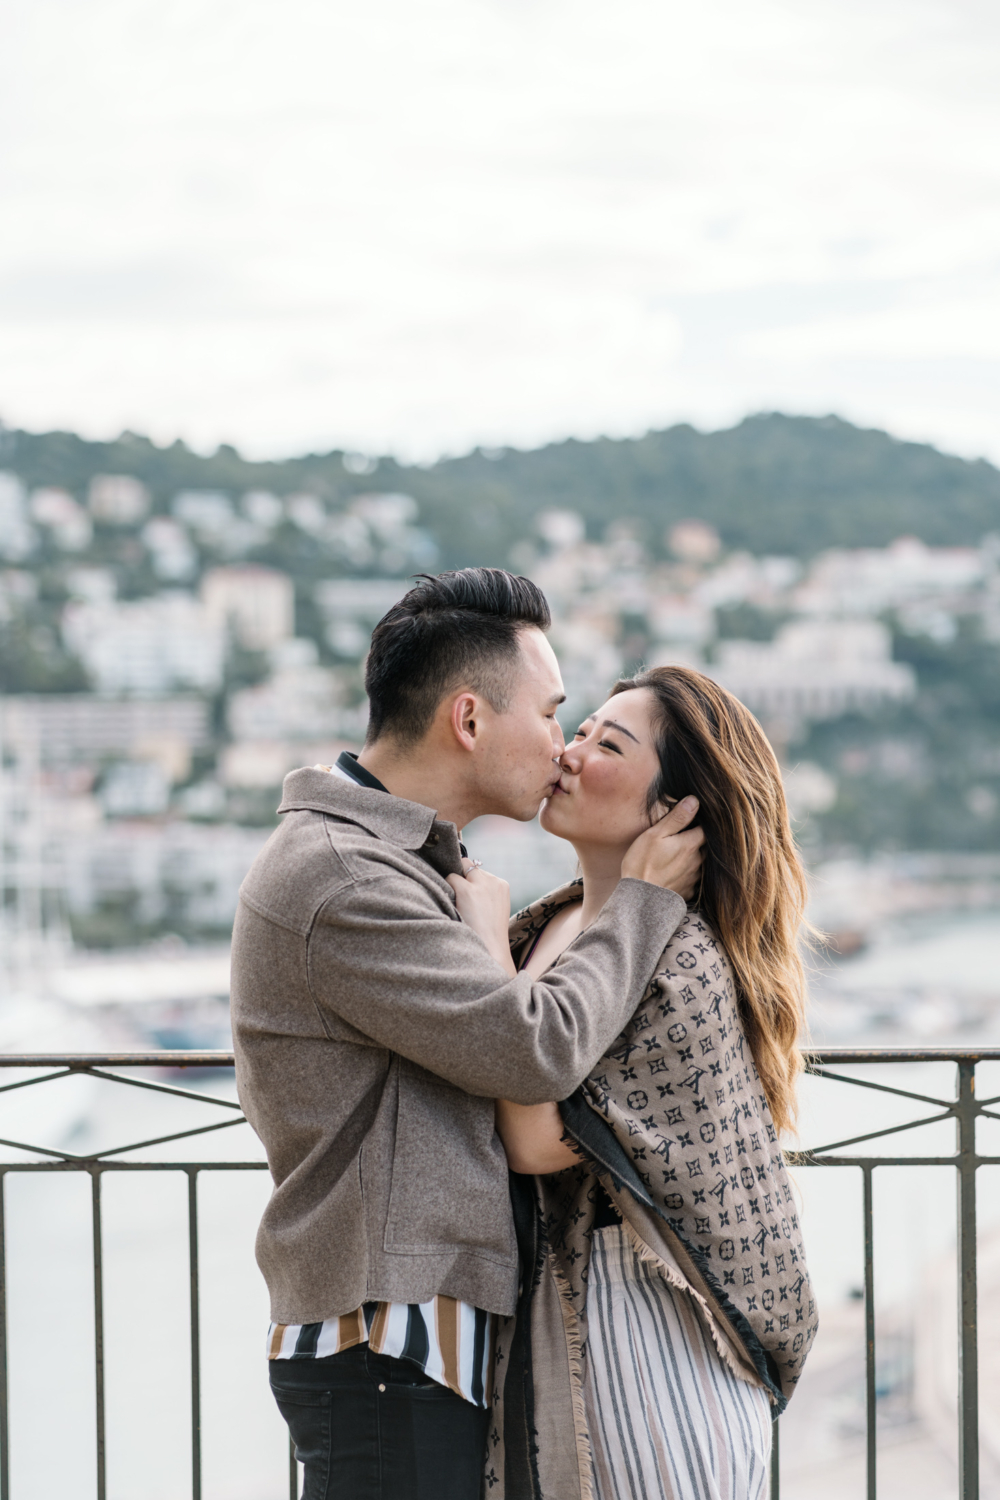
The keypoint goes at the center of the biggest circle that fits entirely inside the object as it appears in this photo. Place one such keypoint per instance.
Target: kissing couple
(531, 1235)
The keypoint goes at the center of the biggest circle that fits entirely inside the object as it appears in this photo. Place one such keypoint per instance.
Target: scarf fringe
(677, 1280)
(574, 1350)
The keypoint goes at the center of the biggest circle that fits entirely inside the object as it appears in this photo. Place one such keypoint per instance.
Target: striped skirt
(668, 1419)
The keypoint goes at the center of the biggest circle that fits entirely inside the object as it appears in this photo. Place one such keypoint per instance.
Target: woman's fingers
(669, 854)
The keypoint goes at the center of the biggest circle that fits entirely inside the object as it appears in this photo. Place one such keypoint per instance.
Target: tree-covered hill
(772, 484)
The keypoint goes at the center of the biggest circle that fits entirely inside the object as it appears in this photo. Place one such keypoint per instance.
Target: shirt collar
(349, 765)
(409, 825)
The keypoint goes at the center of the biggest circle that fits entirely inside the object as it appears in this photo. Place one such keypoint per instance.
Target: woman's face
(607, 770)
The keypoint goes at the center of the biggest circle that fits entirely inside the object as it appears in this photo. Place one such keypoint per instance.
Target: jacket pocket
(449, 1172)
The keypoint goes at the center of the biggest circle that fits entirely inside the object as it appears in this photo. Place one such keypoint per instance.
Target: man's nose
(558, 740)
(570, 759)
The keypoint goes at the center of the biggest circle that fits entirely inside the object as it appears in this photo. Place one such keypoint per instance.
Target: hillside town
(133, 805)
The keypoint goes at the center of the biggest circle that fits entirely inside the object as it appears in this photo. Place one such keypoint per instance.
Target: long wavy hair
(753, 887)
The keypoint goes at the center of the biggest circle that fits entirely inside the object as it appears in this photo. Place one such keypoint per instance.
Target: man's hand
(666, 855)
(483, 902)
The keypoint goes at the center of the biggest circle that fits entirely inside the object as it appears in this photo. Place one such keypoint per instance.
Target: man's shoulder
(315, 857)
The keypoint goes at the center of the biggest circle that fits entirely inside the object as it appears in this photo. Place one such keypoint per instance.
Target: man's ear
(464, 719)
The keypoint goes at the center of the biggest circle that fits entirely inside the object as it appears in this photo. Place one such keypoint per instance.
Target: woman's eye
(607, 745)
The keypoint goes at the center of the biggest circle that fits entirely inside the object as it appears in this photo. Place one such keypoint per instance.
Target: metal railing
(97, 1164)
(963, 1108)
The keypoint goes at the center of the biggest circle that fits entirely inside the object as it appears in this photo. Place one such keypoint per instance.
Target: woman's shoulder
(693, 947)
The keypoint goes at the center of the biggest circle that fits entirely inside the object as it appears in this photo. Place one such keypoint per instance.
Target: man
(374, 1029)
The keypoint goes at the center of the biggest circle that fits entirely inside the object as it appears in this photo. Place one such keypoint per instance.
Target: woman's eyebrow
(614, 724)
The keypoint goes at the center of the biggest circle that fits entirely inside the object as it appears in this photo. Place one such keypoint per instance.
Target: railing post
(968, 1366)
(871, 1411)
(4, 1424)
(95, 1185)
(775, 1459)
(192, 1178)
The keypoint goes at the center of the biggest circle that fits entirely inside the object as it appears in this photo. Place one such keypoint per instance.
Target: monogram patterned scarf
(674, 1124)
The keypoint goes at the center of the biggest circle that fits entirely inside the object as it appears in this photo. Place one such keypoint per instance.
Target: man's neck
(408, 773)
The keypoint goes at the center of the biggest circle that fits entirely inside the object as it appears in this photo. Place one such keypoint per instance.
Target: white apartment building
(257, 604)
(187, 871)
(148, 647)
(301, 701)
(352, 607)
(868, 580)
(18, 537)
(66, 729)
(67, 522)
(815, 670)
(117, 499)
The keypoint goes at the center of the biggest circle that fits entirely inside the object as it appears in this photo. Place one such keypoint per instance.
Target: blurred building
(256, 604)
(815, 670)
(18, 537)
(188, 874)
(117, 499)
(67, 522)
(300, 702)
(83, 730)
(866, 581)
(352, 607)
(171, 550)
(148, 647)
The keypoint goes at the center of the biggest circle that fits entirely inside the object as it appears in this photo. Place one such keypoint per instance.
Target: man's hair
(456, 630)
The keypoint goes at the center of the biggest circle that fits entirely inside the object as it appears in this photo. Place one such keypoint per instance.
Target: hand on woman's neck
(601, 867)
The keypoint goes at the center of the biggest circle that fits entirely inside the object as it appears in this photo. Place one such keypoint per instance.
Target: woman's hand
(669, 854)
(483, 902)
(532, 1137)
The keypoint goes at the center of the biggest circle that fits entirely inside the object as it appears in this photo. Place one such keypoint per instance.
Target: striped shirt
(450, 1341)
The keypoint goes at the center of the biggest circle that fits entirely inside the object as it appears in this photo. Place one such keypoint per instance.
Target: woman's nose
(570, 758)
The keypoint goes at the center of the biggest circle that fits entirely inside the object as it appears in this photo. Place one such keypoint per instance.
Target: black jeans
(368, 1427)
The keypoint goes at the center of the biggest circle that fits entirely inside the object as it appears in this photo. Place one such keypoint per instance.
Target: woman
(665, 1311)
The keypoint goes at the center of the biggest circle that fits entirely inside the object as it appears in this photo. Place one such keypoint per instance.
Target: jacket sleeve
(384, 957)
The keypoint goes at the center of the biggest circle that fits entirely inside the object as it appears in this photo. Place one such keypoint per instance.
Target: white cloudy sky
(417, 225)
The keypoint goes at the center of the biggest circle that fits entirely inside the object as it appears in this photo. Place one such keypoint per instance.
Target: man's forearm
(427, 989)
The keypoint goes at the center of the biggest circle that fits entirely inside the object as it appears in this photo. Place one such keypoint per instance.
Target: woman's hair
(753, 890)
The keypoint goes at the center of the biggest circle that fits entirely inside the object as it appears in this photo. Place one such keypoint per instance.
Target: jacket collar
(408, 825)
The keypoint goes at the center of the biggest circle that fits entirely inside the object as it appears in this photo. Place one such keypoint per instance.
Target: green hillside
(771, 484)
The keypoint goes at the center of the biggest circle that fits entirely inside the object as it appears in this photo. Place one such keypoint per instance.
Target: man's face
(520, 753)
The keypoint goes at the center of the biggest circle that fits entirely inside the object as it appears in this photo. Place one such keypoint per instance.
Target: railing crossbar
(91, 1164)
(873, 1135)
(27, 1083)
(142, 1083)
(94, 1156)
(160, 1140)
(882, 1088)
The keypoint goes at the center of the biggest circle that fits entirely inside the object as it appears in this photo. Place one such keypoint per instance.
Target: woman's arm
(531, 1135)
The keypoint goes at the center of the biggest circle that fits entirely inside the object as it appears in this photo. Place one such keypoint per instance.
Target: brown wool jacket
(373, 1031)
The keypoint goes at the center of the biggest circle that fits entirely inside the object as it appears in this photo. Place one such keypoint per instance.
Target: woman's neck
(602, 870)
